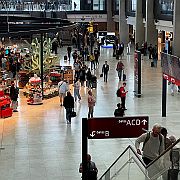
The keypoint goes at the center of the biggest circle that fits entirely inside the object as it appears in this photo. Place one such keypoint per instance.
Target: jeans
(88, 83)
(68, 114)
(90, 113)
(155, 62)
(120, 74)
(76, 94)
(14, 105)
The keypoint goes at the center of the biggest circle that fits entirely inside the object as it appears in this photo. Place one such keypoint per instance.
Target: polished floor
(37, 144)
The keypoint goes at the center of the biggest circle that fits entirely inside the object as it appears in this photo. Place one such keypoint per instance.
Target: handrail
(140, 160)
(164, 152)
(129, 147)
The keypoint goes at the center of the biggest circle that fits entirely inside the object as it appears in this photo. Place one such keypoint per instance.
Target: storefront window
(166, 6)
(117, 5)
(99, 5)
(133, 5)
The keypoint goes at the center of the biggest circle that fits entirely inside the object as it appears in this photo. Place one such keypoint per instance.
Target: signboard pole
(41, 63)
(164, 93)
(84, 147)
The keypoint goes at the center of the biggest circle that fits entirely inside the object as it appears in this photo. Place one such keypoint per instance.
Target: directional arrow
(93, 133)
(144, 121)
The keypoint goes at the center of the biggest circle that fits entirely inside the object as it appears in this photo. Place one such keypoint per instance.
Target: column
(176, 28)
(123, 27)
(151, 33)
(110, 21)
(139, 34)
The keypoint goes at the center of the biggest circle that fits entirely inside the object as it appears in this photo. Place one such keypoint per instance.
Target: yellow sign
(90, 29)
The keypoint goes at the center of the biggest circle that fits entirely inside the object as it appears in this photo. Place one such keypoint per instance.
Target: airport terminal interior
(36, 142)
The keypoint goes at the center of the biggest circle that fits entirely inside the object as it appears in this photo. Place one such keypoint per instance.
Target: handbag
(101, 75)
(73, 113)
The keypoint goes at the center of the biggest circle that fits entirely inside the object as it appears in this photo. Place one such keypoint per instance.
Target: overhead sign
(114, 127)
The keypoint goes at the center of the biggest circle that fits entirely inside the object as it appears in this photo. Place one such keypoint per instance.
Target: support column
(151, 33)
(123, 26)
(110, 21)
(139, 34)
(176, 29)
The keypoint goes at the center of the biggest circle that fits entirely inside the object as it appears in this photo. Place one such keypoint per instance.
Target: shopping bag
(73, 114)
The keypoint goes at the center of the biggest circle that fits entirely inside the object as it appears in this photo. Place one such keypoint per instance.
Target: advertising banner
(137, 73)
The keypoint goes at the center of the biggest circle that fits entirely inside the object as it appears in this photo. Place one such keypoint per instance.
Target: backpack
(118, 93)
(148, 137)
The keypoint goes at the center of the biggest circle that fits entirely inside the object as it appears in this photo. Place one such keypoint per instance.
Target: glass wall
(99, 5)
(133, 5)
(166, 6)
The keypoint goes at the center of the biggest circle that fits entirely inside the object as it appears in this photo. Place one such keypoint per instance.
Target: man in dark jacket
(105, 70)
(14, 95)
(69, 106)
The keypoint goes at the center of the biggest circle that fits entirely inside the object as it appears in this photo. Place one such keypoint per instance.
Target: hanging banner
(171, 68)
(137, 73)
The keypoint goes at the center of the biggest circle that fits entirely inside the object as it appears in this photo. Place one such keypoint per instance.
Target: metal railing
(129, 165)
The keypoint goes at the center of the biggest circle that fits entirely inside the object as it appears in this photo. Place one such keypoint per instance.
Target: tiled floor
(39, 145)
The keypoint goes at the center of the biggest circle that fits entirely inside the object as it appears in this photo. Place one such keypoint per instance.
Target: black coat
(68, 102)
(13, 93)
(105, 69)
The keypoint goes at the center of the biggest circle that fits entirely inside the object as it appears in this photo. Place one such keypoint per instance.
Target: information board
(114, 127)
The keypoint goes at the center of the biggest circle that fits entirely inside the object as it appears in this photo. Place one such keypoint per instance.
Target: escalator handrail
(164, 152)
(134, 152)
(140, 160)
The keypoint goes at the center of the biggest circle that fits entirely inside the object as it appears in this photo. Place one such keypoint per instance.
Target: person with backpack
(153, 144)
(119, 69)
(14, 92)
(91, 169)
(121, 92)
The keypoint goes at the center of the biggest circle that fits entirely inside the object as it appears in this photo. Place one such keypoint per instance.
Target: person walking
(92, 60)
(153, 144)
(123, 93)
(91, 104)
(119, 69)
(91, 169)
(77, 86)
(150, 49)
(88, 78)
(155, 55)
(119, 112)
(96, 56)
(14, 92)
(105, 70)
(69, 49)
(69, 106)
(62, 89)
(82, 75)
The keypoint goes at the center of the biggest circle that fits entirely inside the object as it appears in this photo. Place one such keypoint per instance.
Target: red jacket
(122, 90)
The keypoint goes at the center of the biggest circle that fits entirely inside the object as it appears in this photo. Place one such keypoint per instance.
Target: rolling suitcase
(65, 58)
(124, 77)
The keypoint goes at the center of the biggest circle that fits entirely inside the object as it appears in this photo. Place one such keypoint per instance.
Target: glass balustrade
(129, 166)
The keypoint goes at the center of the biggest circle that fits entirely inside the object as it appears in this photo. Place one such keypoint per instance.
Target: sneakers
(68, 122)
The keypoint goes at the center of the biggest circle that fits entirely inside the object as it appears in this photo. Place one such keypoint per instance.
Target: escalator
(129, 166)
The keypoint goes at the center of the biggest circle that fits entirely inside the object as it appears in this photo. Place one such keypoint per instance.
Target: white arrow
(144, 121)
(93, 133)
